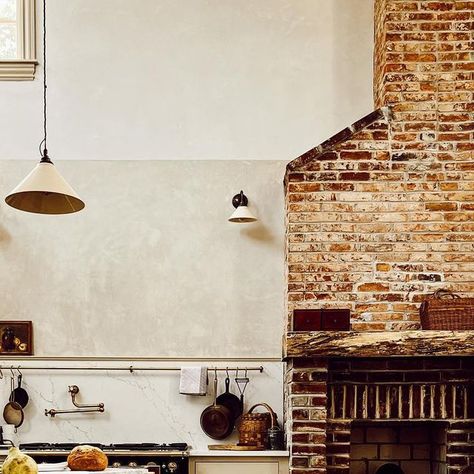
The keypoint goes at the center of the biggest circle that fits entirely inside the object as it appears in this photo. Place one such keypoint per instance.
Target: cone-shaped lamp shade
(241, 215)
(44, 191)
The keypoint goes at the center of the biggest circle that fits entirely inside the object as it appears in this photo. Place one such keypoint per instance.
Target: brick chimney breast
(378, 216)
(382, 213)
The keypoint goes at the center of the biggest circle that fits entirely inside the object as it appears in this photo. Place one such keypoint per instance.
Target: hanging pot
(216, 420)
(13, 411)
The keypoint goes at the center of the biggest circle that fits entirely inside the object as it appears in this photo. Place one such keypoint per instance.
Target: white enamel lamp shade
(45, 191)
(242, 215)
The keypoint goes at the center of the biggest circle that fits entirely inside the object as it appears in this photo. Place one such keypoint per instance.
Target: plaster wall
(193, 79)
(151, 267)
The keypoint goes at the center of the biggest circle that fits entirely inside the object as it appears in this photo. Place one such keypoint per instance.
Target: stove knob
(172, 466)
(116, 464)
(132, 464)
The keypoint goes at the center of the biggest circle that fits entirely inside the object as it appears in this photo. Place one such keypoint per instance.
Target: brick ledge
(378, 344)
(342, 136)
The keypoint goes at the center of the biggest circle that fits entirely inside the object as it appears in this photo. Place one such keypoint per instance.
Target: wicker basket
(447, 311)
(253, 427)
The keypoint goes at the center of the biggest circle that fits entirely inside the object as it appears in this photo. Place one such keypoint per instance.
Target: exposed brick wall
(423, 52)
(307, 415)
(378, 216)
(381, 215)
(460, 450)
(322, 440)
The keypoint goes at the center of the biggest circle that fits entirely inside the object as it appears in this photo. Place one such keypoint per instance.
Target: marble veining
(140, 406)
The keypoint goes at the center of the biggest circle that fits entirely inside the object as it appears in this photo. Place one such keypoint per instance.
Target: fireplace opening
(398, 448)
(389, 468)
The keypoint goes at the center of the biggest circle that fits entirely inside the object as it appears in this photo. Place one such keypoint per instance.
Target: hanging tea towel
(193, 381)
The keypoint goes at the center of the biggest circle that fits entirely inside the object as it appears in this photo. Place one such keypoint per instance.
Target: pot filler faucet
(81, 408)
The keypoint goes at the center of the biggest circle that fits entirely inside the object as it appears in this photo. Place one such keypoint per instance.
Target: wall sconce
(242, 213)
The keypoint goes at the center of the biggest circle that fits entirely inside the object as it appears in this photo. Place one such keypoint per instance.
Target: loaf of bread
(87, 458)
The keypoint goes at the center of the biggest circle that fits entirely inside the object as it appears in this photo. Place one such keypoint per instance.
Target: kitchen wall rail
(5, 357)
(130, 368)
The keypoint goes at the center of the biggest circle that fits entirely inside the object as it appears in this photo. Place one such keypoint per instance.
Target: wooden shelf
(379, 344)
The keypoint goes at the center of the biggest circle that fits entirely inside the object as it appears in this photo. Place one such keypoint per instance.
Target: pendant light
(44, 190)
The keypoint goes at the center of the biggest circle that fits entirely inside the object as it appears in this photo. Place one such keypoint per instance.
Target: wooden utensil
(216, 420)
(232, 447)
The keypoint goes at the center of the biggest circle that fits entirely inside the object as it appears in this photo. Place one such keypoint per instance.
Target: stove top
(172, 458)
(115, 447)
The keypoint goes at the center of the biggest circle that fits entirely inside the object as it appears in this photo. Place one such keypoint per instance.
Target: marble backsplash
(139, 406)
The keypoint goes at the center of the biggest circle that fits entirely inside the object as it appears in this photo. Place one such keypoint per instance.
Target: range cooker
(157, 458)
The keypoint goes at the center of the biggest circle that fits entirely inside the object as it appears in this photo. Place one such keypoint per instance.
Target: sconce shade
(45, 191)
(242, 215)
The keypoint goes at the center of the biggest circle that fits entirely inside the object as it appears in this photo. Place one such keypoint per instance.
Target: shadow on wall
(5, 236)
(260, 233)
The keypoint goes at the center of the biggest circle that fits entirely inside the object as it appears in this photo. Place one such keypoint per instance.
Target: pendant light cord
(43, 144)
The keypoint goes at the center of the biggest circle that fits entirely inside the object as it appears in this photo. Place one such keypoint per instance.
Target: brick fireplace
(378, 216)
(356, 414)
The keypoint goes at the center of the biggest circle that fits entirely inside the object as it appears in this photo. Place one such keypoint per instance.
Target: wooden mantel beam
(379, 344)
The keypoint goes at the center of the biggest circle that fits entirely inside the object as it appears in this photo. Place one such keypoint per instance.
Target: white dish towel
(193, 381)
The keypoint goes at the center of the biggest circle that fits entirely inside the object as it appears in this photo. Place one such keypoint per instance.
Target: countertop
(217, 453)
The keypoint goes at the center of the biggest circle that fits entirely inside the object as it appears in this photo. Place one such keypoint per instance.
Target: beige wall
(194, 79)
(151, 266)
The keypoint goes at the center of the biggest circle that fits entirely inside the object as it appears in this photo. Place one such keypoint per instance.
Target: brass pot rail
(74, 389)
(130, 368)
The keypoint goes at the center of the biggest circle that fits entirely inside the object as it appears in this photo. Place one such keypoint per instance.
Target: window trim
(23, 68)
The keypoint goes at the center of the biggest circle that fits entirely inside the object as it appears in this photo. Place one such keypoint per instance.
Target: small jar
(275, 439)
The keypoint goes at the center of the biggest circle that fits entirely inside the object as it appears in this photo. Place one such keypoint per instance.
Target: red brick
(308, 388)
(373, 287)
(356, 155)
(354, 176)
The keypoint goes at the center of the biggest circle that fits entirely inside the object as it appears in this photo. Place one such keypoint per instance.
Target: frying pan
(230, 401)
(20, 395)
(216, 420)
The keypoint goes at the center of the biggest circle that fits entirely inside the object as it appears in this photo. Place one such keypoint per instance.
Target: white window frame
(23, 67)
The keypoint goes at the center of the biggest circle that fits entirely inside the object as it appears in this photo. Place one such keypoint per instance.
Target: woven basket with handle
(445, 310)
(253, 427)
